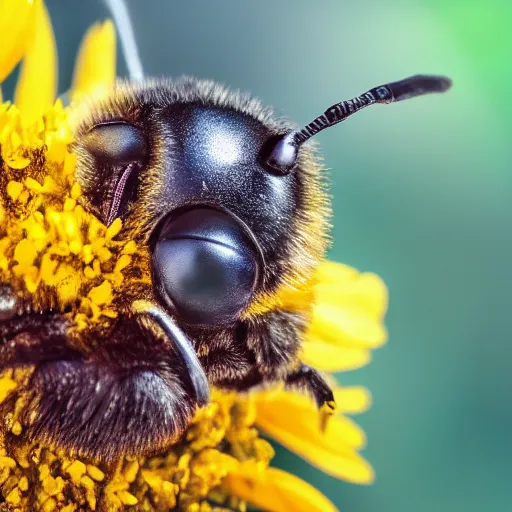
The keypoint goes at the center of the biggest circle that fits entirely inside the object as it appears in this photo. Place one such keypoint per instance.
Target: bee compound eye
(206, 265)
(115, 143)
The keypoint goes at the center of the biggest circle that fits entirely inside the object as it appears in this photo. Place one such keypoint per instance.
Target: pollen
(220, 441)
(95, 473)
(52, 252)
(76, 471)
(101, 294)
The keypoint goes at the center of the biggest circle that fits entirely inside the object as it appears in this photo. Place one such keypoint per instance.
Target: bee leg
(153, 318)
(274, 338)
(311, 380)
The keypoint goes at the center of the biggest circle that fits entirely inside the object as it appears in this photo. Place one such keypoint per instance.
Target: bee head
(229, 200)
(194, 173)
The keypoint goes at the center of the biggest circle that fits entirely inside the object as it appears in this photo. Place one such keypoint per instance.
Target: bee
(229, 209)
(228, 206)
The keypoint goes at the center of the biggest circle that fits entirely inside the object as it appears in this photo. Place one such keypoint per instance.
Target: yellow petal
(293, 421)
(345, 325)
(330, 271)
(37, 84)
(349, 307)
(95, 68)
(16, 24)
(331, 358)
(277, 491)
(352, 400)
(363, 291)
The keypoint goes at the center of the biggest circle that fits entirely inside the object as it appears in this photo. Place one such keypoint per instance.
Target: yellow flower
(93, 74)
(276, 490)
(345, 325)
(16, 23)
(53, 252)
(36, 88)
(52, 248)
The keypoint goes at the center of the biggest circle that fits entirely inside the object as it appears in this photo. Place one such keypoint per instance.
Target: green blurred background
(421, 196)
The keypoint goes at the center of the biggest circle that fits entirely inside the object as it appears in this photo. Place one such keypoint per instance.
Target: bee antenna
(283, 156)
(124, 26)
(389, 93)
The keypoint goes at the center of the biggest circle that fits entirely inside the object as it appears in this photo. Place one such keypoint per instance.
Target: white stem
(124, 26)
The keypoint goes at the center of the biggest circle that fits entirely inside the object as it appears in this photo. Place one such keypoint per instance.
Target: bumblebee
(229, 209)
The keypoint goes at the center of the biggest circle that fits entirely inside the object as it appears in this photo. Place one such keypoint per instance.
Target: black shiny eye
(206, 265)
(116, 143)
(280, 154)
(119, 150)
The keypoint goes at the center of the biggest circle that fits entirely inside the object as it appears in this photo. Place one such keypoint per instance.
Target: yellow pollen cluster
(52, 252)
(221, 440)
